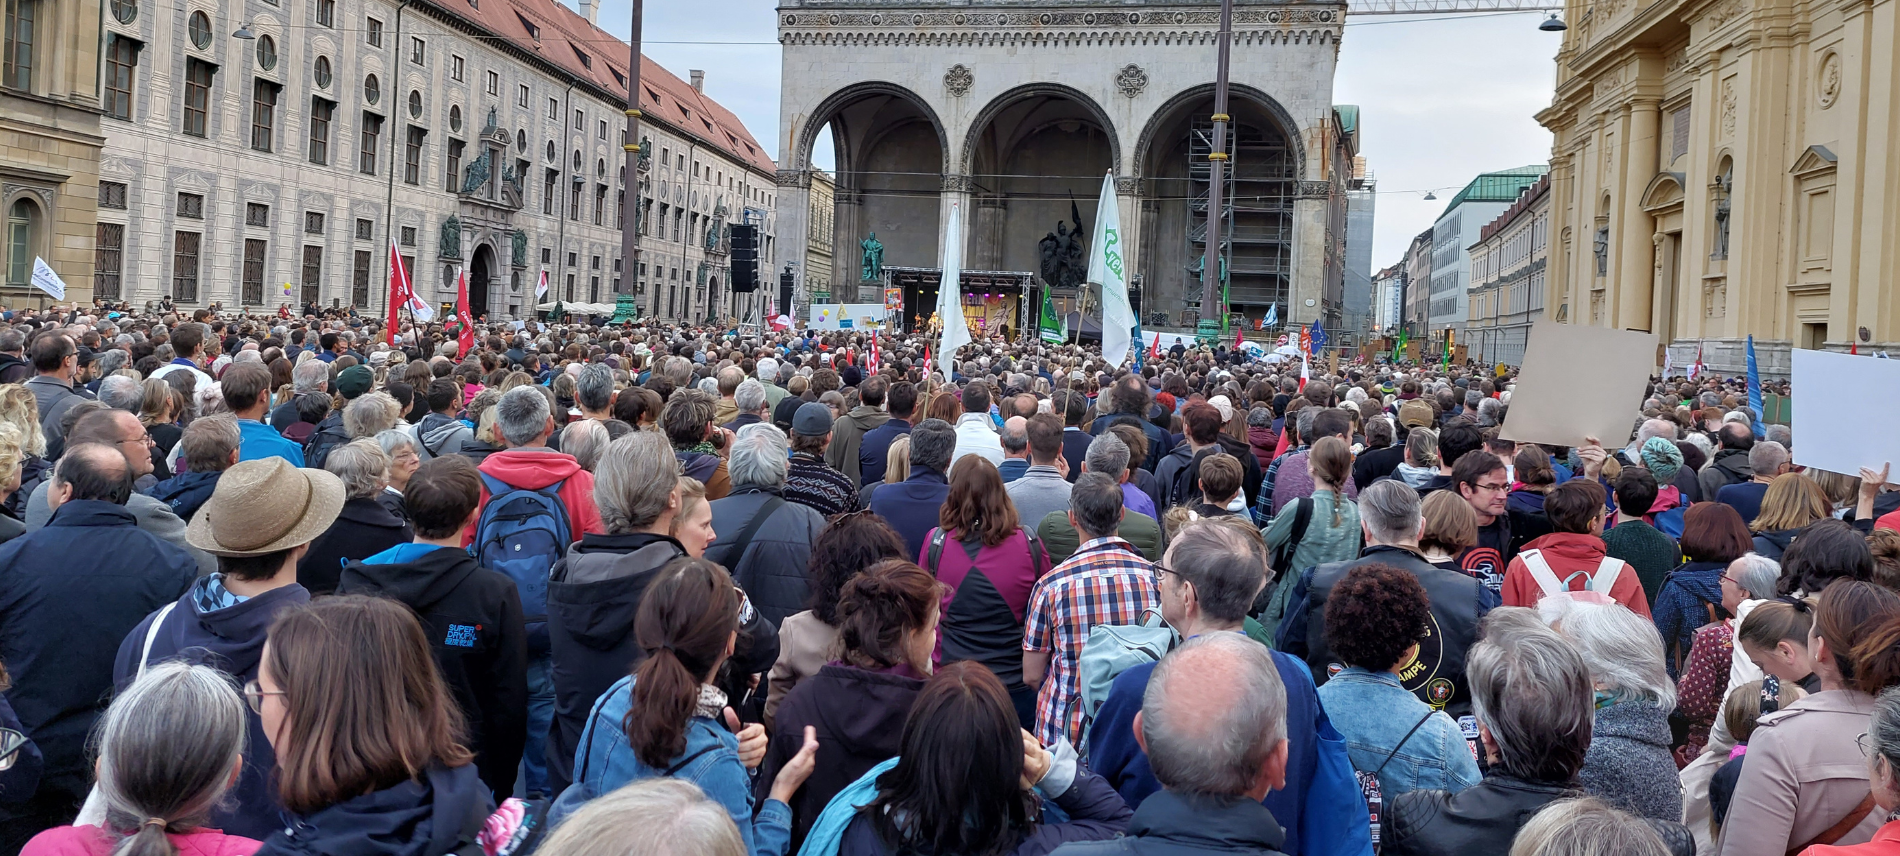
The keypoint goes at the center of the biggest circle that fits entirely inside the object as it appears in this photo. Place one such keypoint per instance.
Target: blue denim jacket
(603, 762)
(1374, 712)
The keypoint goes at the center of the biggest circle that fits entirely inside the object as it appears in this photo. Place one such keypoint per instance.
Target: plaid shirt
(1106, 581)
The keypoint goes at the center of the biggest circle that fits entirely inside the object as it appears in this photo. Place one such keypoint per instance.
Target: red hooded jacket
(537, 468)
(1567, 553)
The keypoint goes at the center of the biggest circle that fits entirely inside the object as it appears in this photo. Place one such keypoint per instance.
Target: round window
(322, 72)
(455, 118)
(266, 52)
(126, 11)
(550, 151)
(372, 89)
(199, 26)
(415, 103)
(521, 141)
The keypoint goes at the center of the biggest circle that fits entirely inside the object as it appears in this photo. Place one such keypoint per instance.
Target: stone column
(1634, 253)
(986, 232)
(1308, 279)
(847, 231)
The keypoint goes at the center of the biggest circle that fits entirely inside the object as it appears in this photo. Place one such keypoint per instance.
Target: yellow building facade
(1725, 168)
(49, 145)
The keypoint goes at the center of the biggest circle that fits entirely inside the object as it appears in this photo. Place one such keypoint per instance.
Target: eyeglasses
(254, 694)
(1491, 487)
(1861, 742)
(1161, 569)
(142, 440)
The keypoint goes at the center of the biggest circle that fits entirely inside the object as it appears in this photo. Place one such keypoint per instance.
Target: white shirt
(976, 437)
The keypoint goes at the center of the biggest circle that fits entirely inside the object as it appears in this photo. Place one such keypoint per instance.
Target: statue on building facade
(477, 173)
(519, 249)
(872, 263)
(1063, 260)
(645, 161)
(1724, 188)
(450, 245)
(1602, 248)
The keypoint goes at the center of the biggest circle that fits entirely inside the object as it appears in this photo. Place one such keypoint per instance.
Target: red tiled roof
(560, 36)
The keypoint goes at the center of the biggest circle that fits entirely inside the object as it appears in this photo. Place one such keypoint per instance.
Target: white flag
(956, 331)
(46, 280)
(541, 285)
(1105, 270)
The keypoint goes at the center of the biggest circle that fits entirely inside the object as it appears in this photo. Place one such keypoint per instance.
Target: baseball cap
(354, 381)
(1415, 414)
(812, 420)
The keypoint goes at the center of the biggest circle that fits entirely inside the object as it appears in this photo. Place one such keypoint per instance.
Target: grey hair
(310, 376)
(122, 393)
(759, 456)
(1736, 416)
(1226, 567)
(521, 415)
(1884, 729)
(1701, 441)
(1781, 434)
(1620, 648)
(634, 480)
(1260, 417)
(750, 396)
(111, 361)
(1757, 574)
(1472, 397)
(932, 443)
(1532, 691)
(1655, 428)
(586, 440)
(1210, 736)
(362, 466)
(676, 819)
(1096, 500)
(370, 414)
(1107, 455)
(1391, 512)
(1586, 826)
(1422, 445)
(1766, 456)
(396, 439)
(168, 745)
(594, 387)
(1303, 422)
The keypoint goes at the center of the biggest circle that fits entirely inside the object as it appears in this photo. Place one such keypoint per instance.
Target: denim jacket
(1374, 712)
(603, 762)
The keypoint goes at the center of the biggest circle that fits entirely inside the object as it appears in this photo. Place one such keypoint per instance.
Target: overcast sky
(1441, 99)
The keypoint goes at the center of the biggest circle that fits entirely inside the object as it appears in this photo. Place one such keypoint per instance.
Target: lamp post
(1212, 309)
(630, 182)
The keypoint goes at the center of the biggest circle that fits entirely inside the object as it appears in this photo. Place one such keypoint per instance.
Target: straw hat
(263, 506)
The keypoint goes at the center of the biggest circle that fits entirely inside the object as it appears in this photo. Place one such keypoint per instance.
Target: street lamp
(1552, 24)
(244, 32)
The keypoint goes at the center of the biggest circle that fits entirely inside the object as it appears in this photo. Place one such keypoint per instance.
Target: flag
(1754, 388)
(956, 330)
(874, 355)
(1696, 369)
(1306, 340)
(465, 334)
(1304, 373)
(402, 294)
(1319, 336)
(1155, 352)
(46, 280)
(1273, 316)
(541, 285)
(1260, 324)
(1668, 363)
(1239, 335)
(1105, 270)
(1048, 325)
(1398, 352)
(1853, 347)
(1449, 337)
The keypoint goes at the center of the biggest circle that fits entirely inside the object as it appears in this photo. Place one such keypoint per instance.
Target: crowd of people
(307, 586)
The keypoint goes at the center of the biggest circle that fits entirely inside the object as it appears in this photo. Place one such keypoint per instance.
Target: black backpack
(328, 436)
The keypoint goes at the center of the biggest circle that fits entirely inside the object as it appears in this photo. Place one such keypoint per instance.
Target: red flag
(1155, 353)
(1853, 348)
(464, 337)
(400, 289)
(1239, 331)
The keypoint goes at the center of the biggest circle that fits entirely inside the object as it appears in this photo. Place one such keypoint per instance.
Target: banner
(956, 331)
(46, 280)
(541, 285)
(1049, 325)
(1105, 270)
(465, 336)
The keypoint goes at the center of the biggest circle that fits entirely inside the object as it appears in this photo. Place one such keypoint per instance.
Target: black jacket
(432, 816)
(1159, 442)
(230, 640)
(594, 595)
(1170, 824)
(859, 715)
(1773, 544)
(362, 529)
(473, 618)
(1377, 464)
(1479, 821)
(14, 369)
(1729, 466)
(1458, 603)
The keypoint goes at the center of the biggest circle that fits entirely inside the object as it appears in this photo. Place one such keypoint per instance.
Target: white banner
(1105, 270)
(46, 280)
(956, 330)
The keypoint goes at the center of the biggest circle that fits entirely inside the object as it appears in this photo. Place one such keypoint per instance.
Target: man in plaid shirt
(1106, 581)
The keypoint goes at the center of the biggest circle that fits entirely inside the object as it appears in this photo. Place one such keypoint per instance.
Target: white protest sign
(1579, 382)
(46, 280)
(1820, 381)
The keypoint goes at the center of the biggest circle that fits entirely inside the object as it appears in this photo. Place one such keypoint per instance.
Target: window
(197, 96)
(125, 11)
(326, 13)
(365, 229)
(185, 266)
(373, 33)
(547, 256)
(191, 206)
(593, 289)
(574, 203)
(372, 89)
(122, 62)
(256, 214)
(494, 83)
(455, 118)
(603, 129)
(321, 71)
(263, 115)
(594, 263)
(408, 234)
(549, 190)
(321, 112)
(198, 27)
(570, 288)
(112, 195)
(453, 167)
(580, 120)
(455, 68)
(573, 259)
(417, 50)
(412, 156)
(554, 108)
(359, 279)
(600, 203)
(313, 222)
(372, 131)
(312, 274)
(22, 222)
(521, 95)
(253, 277)
(266, 52)
(415, 104)
(108, 257)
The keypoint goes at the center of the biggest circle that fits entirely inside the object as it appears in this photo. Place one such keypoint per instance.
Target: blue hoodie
(431, 815)
(1684, 605)
(231, 639)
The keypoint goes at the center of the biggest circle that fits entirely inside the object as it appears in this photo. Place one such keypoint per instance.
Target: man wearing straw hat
(259, 521)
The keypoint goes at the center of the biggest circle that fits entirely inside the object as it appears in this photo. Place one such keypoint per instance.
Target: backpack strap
(751, 531)
(1541, 572)
(1302, 518)
(1401, 744)
(935, 557)
(151, 635)
(1038, 556)
(1607, 572)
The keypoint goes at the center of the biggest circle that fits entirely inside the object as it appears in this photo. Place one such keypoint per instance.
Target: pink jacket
(93, 841)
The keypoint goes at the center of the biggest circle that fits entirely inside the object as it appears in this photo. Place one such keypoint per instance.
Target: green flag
(1051, 327)
(1398, 350)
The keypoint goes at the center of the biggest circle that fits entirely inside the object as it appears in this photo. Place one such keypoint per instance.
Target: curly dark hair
(1374, 615)
(850, 544)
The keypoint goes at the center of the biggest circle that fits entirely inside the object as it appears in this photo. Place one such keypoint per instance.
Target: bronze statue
(872, 263)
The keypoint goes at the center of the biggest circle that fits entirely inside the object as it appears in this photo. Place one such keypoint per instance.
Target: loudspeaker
(745, 242)
(745, 275)
(785, 293)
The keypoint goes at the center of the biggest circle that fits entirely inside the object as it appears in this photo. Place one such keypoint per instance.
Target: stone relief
(1714, 298)
(1132, 80)
(958, 80)
(449, 245)
(518, 249)
(1727, 12)
(1728, 107)
(1829, 79)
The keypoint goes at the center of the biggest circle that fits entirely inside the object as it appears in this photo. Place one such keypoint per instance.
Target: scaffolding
(1258, 215)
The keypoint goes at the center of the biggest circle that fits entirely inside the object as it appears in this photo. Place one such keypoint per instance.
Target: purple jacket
(1293, 481)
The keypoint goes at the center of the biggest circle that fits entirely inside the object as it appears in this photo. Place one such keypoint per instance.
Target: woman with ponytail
(169, 747)
(1805, 781)
(668, 720)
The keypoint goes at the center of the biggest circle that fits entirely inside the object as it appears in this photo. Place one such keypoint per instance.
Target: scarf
(711, 703)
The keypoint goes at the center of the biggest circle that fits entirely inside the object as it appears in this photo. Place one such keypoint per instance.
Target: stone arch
(888, 178)
(1664, 190)
(1032, 157)
(988, 115)
(836, 102)
(484, 273)
(1170, 110)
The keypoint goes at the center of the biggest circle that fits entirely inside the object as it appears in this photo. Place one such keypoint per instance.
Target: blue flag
(1273, 315)
(1754, 389)
(1319, 336)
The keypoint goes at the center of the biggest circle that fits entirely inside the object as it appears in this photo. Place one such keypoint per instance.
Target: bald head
(1213, 719)
(1016, 436)
(1655, 428)
(90, 471)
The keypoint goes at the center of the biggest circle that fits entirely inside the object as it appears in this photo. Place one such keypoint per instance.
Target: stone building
(483, 135)
(1015, 111)
(49, 143)
(1454, 233)
(1356, 319)
(820, 256)
(1728, 168)
(1508, 278)
(1416, 279)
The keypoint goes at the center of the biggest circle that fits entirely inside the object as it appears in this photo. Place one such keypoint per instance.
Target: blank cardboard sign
(1826, 436)
(1580, 382)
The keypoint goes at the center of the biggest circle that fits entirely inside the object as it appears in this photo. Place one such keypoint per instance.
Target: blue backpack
(522, 532)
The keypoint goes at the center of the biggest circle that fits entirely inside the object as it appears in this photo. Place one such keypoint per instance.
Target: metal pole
(1211, 309)
(630, 185)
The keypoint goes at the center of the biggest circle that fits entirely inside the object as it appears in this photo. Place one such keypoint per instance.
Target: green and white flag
(956, 331)
(1106, 270)
(1051, 325)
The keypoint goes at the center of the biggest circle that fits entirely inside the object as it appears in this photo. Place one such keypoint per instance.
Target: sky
(1441, 98)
